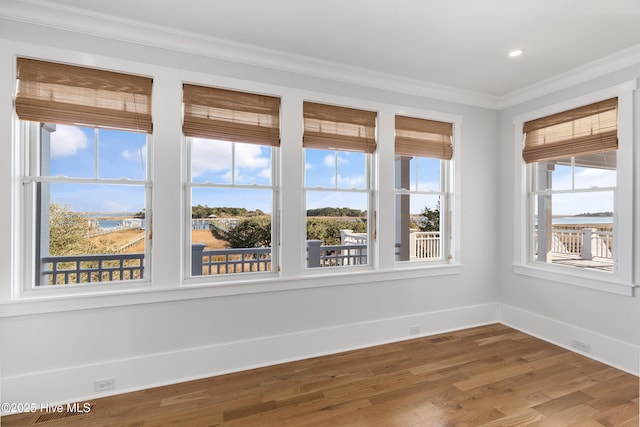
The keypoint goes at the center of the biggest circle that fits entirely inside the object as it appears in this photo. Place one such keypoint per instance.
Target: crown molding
(51, 15)
(599, 68)
(45, 13)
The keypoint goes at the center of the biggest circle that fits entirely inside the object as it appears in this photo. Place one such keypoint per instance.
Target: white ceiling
(462, 44)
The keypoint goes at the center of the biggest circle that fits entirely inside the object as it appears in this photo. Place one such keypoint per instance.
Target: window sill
(600, 281)
(35, 303)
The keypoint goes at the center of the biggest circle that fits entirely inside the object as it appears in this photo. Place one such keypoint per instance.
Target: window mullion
(96, 153)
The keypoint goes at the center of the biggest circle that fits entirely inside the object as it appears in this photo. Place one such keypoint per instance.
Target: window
(338, 144)
(423, 150)
(572, 158)
(86, 181)
(232, 185)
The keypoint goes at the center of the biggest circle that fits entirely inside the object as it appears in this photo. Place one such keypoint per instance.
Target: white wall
(53, 352)
(556, 311)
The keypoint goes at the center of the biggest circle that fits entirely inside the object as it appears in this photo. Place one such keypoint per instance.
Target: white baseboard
(613, 352)
(76, 383)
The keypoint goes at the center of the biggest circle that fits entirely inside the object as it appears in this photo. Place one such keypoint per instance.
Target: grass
(122, 237)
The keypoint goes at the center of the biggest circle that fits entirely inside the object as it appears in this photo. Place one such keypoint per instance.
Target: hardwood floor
(486, 376)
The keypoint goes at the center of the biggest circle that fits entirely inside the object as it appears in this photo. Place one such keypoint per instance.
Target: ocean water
(107, 224)
(582, 220)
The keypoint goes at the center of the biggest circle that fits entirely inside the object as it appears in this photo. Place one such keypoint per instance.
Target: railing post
(585, 246)
(413, 249)
(313, 253)
(196, 259)
(346, 238)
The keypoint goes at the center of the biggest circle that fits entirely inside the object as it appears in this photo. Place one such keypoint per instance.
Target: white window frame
(620, 281)
(189, 185)
(453, 222)
(30, 158)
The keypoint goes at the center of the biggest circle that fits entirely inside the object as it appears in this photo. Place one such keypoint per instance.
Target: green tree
(327, 211)
(253, 232)
(328, 230)
(430, 220)
(68, 231)
(69, 234)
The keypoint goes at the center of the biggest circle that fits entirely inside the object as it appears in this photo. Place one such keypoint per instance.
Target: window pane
(337, 228)
(90, 233)
(320, 168)
(418, 173)
(574, 229)
(559, 176)
(213, 161)
(210, 161)
(68, 151)
(231, 230)
(418, 227)
(583, 172)
(428, 176)
(595, 170)
(122, 154)
(252, 164)
(351, 170)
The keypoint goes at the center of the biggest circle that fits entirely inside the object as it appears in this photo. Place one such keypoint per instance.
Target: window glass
(89, 201)
(337, 203)
(232, 205)
(573, 211)
(421, 203)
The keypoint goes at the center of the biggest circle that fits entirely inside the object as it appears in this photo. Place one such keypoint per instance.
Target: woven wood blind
(68, 94)
(584, 130)
(424, 138)
(231, 116)
(339, 128)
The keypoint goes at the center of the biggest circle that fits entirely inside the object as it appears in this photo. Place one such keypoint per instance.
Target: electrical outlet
(414, 330)
(105, 384)
(581, 345)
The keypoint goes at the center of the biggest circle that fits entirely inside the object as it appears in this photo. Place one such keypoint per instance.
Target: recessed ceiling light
(515, 52)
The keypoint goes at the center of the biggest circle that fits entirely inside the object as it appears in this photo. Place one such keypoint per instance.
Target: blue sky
(583, 178)
(119, 155)
(123, 155)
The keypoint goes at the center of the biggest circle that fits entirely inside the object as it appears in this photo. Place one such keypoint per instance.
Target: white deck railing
(424, 244)
(585, 244)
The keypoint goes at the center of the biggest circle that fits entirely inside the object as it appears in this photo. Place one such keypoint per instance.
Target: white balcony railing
(585, 244)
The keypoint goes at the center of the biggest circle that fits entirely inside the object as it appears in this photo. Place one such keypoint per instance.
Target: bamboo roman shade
(584, 130)
(339, 128)
(424, 138)
(68, 94)
(231, 116)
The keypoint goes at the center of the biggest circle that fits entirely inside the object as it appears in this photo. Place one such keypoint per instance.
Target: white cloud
(136, 155)
(427, 186)
(215, 156)
(350, 181)
(265, 173)
(250, 156)
(586, 178)
(208, 156)
(330, 160)
(67, 141)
